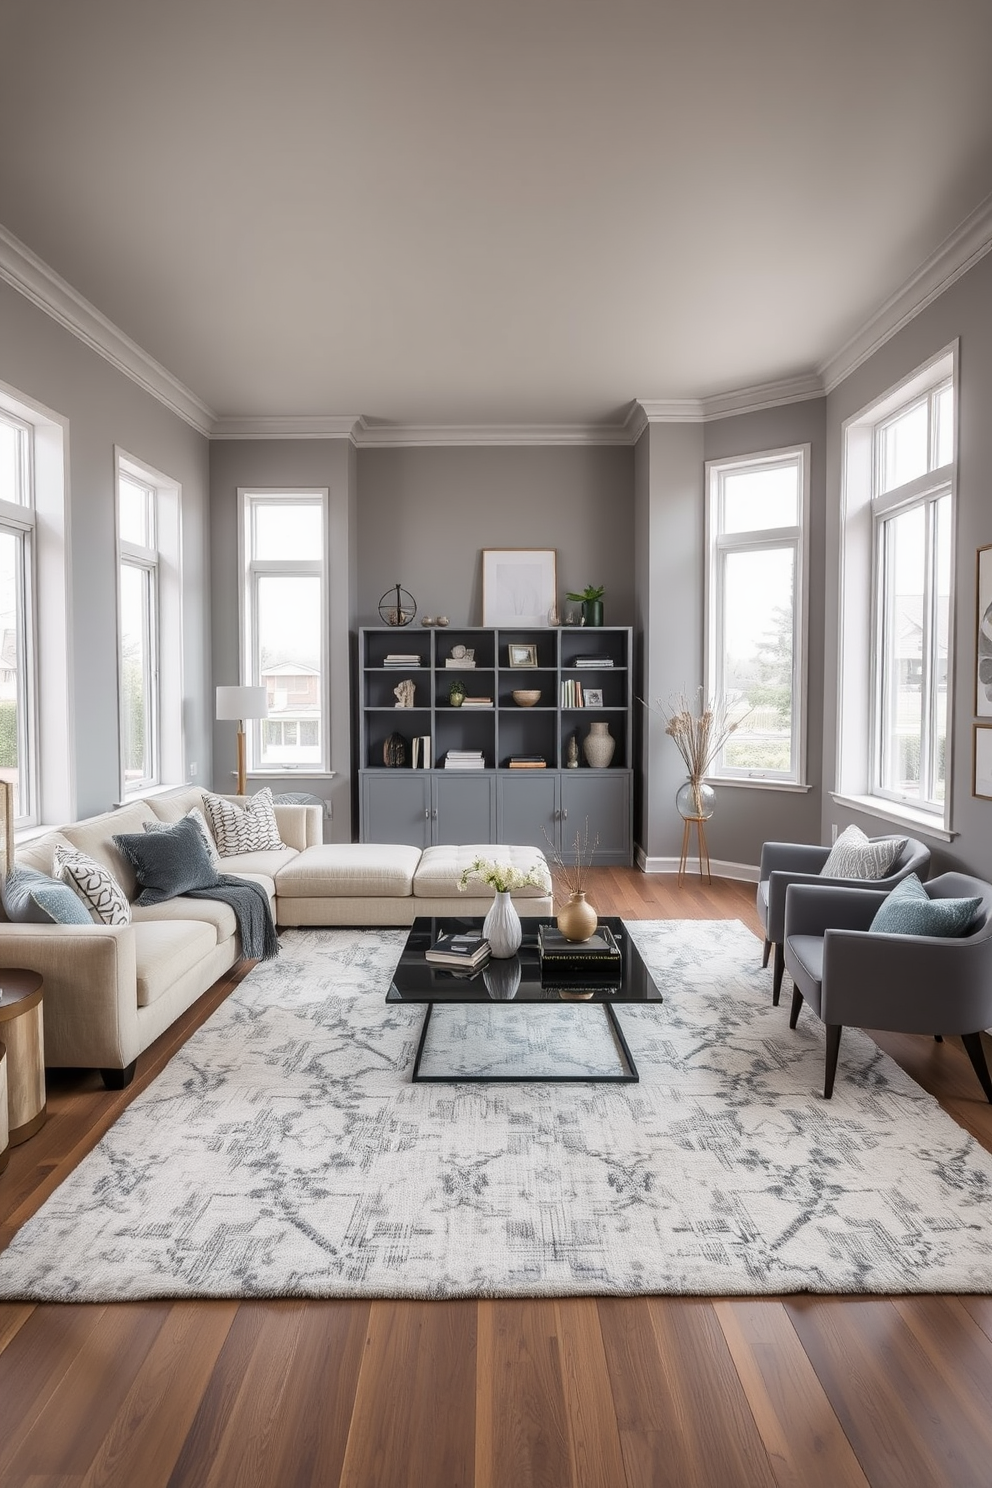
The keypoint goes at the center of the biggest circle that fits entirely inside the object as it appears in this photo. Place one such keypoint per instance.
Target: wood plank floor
(797, 1392)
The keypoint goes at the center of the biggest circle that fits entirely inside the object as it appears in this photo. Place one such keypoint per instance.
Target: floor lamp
(239, 703)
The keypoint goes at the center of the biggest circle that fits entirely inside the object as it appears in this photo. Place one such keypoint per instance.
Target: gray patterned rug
(284, 1152)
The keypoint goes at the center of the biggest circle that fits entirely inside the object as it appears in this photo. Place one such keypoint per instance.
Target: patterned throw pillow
(854, 855)
(247, 829)
(909, 910)
(200, 820)
(32, 898)
(168, 863)
(100, 892)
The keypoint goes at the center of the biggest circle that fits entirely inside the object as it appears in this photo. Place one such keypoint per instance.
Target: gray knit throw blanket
(250, 902)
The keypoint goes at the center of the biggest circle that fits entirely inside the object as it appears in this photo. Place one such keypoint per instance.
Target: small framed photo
(983, 644)
(593, 697)
(983, 761)
(519, 585)
(522, 656)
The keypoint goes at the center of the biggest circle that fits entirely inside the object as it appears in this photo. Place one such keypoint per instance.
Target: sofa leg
(797, 1002)
(778, 973)
(834, 1031)
(976, 1053)
(118, 1079)
(766, 951)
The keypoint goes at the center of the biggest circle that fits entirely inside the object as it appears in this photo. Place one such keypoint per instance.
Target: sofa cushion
(206, 911)
(96, 886)
(95, 837)
(172, 806)
(251, 865)
(169, 860)
(360, 870)
(40, 852)
(237, 829)
(441, 868)
(32, 898)
(165, 950)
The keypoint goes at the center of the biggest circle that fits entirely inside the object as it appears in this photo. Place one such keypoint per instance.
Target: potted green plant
(591, 600)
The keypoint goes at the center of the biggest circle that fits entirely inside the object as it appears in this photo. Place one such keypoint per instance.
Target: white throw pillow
(854, 855)
(96, 886)
(247, 829)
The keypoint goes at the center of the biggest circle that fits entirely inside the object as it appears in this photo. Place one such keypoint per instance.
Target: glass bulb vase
(695, 800)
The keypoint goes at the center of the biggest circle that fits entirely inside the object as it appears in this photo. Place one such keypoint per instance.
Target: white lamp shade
(241, 702)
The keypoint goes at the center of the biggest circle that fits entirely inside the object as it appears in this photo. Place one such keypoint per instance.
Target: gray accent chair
(785, 863)
(900, 983)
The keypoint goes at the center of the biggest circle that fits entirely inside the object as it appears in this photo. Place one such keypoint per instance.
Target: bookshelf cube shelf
(523, 788)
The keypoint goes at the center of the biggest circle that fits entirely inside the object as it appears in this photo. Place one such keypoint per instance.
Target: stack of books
(402, 659)
(421, 751)
(571, 693)
(463, 952)
(477, 702)
(460, 663)
(528, 762)
(593, 661)
(464, 759)
(595, 963)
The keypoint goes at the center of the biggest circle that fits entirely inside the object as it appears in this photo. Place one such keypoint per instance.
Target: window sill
(766, 785)
(904, 816)
(289, 772)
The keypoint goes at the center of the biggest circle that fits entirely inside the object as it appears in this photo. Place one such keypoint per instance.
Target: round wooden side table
(22, 1031)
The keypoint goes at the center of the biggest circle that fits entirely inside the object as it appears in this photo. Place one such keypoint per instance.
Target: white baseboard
(744, 872)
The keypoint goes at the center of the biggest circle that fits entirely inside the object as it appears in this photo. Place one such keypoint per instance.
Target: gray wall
(288, 463)
(46, 363)
(964, 311)
(424, 516)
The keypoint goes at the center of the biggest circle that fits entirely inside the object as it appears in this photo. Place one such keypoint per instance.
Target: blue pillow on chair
(909, 910)
(32, 898)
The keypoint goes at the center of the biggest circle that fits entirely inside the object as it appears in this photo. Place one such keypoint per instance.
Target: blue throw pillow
(32, 898)
(170, 862)
(909, 910)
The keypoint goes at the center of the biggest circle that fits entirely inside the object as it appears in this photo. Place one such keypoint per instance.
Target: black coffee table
(514, 982)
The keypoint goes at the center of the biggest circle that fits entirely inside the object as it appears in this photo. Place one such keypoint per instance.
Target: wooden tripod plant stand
(699, 822)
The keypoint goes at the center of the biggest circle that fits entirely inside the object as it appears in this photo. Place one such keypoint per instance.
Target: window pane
(941, 632)
(286, 529)
(903, 654)
(288, 628)
(11, 462)
(905, 452)
(135, 513)
(12, 701)
(945, 425)
(136, 673)
(757, 671)
(754, 500)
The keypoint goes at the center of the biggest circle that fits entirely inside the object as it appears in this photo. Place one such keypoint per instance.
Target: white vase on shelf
(502, 927)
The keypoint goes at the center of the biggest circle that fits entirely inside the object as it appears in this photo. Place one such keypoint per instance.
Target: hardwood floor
(797, 1392)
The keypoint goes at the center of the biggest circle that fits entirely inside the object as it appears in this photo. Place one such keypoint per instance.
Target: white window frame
(143, 559)
(718, 546)
(19, 520)
(252, 568)
(864, 508)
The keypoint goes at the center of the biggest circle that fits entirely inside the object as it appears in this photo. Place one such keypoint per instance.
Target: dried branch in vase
(699, 736)
(572, 876)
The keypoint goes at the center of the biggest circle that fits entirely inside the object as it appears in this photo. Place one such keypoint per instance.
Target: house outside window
(756, 611)
(284, 631)
(18, 691)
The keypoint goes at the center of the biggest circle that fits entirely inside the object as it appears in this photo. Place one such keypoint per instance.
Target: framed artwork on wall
(519, 585)
(983, 762)
(983, 645)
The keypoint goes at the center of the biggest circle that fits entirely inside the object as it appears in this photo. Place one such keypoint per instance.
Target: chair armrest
(907, 983)
(814, 909)
(299, 826)
(792, 857)
(90, 1000)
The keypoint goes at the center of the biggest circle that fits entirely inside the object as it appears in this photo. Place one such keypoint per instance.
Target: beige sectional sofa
(110, 991)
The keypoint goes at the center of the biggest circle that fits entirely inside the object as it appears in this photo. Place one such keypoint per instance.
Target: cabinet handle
(434, 814)
(564, 815)
(427, 816)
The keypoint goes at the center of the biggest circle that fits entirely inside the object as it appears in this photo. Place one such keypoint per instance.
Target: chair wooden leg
(766, 952)
(834, 1031)
(778, 973)
(976, 1053)
(797, 1002)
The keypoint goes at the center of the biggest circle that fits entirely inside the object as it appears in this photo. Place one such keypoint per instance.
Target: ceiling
(519, 211)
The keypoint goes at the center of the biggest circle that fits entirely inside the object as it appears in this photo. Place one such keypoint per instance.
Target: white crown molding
(369, 434)
(32, 278)
(763, 395)
(963, 248)
(667, 411)
(285, 426)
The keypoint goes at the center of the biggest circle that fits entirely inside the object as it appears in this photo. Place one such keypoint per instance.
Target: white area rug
(284, 1152)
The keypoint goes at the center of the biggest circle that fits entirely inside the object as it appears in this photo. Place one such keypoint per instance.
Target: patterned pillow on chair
(100, 892)
(247, 829)
(855, 855)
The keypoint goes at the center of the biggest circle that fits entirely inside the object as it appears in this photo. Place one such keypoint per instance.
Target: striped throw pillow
(854, 855)
(100, 892)
(247, 829)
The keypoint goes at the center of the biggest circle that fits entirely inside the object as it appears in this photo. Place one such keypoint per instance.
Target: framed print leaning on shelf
(593, 697)
(983, 659)
(983, 761)
(521, 656)
(519, 585)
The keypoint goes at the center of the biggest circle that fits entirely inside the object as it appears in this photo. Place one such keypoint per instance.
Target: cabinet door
(602, 797)
(464, 807)
(527, 807)
(396, 807)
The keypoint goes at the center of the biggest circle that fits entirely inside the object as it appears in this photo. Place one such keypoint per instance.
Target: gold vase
(577, 920)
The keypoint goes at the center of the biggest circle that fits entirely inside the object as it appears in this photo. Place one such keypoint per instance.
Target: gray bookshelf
(430, 804)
